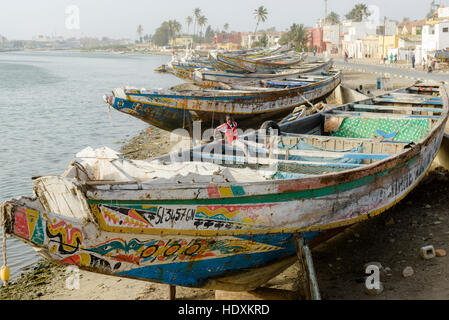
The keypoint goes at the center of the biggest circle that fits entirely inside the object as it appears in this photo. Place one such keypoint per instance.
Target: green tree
(139, 32)
(174, 27)
(202, 23)
(333, 18)
(196, 15)
(209, 35)
(297, 35)
(226, 27)
(433, 7)
(264, 40)
(260, 14)
(189, 21)
(358, 13)
(161, 36)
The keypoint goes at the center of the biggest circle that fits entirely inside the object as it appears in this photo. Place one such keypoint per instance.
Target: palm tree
(297, 35)
(333, 18)
(201, 23)
(139, 31)
(174, 28)
(189, 21)
(261, 15)
(196, 15)
(359, 12)
(226, 27)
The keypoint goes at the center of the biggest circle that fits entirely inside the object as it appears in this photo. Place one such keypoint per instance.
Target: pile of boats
(251, 87)
(232, 217)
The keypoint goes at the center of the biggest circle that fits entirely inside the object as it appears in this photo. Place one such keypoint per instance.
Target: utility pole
(383, 42)
(325, 11)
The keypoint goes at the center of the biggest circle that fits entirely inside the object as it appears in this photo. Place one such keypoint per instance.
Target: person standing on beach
(413, 61)
(229, 128)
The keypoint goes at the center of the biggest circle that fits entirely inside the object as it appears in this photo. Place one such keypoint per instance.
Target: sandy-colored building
(248, 38)
(388, 45)
(183, 41)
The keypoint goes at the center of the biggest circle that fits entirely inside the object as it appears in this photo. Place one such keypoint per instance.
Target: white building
(355, 32)
(435, 34)
(249, 38)
(331, 36)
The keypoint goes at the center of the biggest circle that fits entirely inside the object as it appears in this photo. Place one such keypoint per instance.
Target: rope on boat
(4, 272)
(313, 106)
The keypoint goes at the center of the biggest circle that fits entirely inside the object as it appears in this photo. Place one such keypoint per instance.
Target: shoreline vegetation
(397, 244)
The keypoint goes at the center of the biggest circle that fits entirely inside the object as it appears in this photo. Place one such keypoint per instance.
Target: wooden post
(171, 292)
(308, 282)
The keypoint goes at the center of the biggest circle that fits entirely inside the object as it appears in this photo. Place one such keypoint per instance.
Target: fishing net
(392, 129)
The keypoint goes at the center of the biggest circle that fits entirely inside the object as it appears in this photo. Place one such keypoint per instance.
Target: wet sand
(392, 239)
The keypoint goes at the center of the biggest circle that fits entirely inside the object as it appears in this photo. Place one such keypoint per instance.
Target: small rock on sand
(440, 252)
(407, 272)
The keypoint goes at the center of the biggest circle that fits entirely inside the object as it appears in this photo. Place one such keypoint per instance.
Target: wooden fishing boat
(238, 64)
(249, 105)
(211, 77)
(208, 77)
(220, 217)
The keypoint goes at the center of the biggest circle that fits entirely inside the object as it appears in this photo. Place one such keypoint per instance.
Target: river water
(51, 107)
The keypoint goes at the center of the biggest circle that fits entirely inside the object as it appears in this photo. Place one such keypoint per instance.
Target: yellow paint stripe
(225, 191)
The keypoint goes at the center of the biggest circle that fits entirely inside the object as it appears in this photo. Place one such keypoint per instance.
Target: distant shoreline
(159, 53)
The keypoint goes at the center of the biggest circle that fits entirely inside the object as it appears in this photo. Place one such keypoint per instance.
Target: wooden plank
(331, 154)
(376, 115)
(412, 96)
(171, 292)
(252, 160)
(345, 139)
(407, 101)
(309, 282)
(393, 108)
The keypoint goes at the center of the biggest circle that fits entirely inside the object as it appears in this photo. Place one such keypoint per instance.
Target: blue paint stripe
(196, 274)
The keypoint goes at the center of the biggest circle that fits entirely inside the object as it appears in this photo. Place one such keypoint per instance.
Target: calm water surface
(51, 107)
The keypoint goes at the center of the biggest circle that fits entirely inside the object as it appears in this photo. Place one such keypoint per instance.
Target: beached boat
(246, 65)
(211, 77)
(222, 217)
(249, 105)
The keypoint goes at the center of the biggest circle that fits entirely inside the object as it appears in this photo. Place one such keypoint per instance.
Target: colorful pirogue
(250, 105)
(226, 217)
(208, 77)
(246, 65)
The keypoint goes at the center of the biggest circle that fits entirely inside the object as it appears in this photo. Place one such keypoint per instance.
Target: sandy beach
(393, 239)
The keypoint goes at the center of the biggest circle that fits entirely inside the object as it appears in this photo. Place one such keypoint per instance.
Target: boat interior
(342, 138)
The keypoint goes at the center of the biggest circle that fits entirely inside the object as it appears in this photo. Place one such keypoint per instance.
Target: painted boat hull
(171, 112)
(190, 261)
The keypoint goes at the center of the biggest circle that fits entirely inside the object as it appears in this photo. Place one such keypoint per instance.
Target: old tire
(270, 128)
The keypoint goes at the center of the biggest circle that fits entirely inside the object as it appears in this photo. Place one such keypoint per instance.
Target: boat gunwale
(322, 180)
(214, 94)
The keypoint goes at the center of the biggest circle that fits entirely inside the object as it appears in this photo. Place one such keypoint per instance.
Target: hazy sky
(23, 19)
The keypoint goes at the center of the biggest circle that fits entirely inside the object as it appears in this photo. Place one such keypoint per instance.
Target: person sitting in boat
(229, 128)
